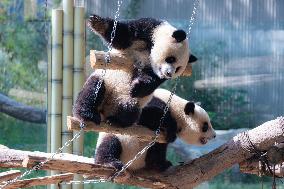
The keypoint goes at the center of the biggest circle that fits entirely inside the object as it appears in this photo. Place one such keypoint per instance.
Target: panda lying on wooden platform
(160, 52)
(185, 120)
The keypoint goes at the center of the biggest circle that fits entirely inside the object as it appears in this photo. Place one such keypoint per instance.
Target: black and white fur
(159, 51)
(185, 120)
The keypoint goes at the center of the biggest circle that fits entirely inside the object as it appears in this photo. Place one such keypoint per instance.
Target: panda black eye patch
(205, 127)
(178, 69)
(170, 59)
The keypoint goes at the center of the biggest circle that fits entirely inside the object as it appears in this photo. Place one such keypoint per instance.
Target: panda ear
(192, 58)
(189, 108)
(179, 35)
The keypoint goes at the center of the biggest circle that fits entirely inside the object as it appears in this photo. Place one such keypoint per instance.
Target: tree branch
(21, 111)
(187, 175)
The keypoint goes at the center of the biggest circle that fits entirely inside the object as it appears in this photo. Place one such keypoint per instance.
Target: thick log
(9, 175)
(55, 179)
(194, 172)
(21, 111)
(141, 133)
(265, 165)
(119, 61)
(233, 152)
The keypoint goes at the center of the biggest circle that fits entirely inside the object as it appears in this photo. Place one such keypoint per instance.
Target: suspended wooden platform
(140, 132)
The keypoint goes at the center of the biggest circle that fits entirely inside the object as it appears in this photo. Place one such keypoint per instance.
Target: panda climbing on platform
(160, 52)
(185, 120)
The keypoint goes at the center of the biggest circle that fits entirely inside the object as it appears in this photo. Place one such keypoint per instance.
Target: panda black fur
(159, 51)
(185, 120)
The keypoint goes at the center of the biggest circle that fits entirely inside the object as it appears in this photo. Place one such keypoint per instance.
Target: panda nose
(169, 73)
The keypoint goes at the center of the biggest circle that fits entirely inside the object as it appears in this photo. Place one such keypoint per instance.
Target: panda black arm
(144, 82)
(87, 102)
(104, 26)
(150, 118)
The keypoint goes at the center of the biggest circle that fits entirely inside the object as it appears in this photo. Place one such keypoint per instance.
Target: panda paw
(116, 164)
(141, 86)
(163, 166)
(170, 138)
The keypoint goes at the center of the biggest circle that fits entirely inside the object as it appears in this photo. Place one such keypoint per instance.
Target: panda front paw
(141, 86)
(116, 164)
(170, 138)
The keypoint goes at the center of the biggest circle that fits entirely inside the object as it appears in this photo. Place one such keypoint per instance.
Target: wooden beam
(120, 61)
(9, 175)
(140, 132)
(55, 179)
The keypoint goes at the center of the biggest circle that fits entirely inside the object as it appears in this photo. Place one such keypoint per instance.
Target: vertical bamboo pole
(67, 97)
(48, 130)
(79, 60)
(56, 82)
(48, 94)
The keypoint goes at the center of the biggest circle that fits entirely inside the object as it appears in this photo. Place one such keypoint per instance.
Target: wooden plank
(55, 179)
(9, 175)
(140, 132)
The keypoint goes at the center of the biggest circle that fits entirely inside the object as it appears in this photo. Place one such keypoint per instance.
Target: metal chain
(192, 17)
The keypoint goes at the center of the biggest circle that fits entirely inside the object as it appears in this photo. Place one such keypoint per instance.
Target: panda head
(194, 126)
(169, 54)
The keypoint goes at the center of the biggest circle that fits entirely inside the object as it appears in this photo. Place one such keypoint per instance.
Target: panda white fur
(185, 120)
(159, 51)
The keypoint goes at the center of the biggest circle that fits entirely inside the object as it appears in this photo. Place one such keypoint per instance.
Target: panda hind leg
(109, 151)
(156, 158)
(85, 107)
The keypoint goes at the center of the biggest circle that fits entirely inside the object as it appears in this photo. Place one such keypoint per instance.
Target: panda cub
(185, 120)
(159, 51)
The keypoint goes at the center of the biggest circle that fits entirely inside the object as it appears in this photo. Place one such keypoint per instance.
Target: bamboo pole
(48, 93)
(48, 130)
(68, 14)
(56, 81)
(79, 60)
(67, 97)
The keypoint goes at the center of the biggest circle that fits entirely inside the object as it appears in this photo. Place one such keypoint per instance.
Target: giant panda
(184, 119)
(160, 52)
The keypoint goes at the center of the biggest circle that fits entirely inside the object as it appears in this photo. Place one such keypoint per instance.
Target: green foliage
(22, 45)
